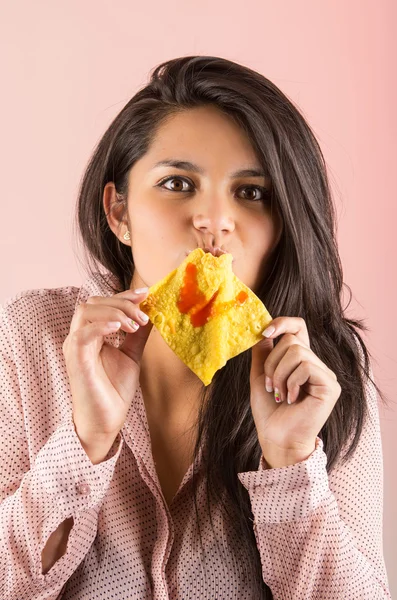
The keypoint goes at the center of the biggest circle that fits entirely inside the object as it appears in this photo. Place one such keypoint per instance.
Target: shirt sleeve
(320, 536)
(35, 499)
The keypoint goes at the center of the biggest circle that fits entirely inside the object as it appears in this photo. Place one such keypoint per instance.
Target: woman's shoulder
(48, 311)
(95, 284)
(37, 295)
(31, 303)
(33, 319)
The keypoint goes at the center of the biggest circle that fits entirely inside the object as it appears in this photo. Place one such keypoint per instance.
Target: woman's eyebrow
(189, 166)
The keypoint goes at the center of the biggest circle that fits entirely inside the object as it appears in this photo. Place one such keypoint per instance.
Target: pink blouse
(319, 536)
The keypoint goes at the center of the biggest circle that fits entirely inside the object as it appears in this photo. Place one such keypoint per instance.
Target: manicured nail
(143, 316)
(288, 398)
(277, 395)
(269, 331)
(141, 290)
(268, 384)
(134, 325)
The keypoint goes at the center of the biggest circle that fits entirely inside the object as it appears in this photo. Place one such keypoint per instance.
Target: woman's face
(202, 206)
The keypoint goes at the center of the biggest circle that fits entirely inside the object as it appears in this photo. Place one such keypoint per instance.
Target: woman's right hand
(104, 378)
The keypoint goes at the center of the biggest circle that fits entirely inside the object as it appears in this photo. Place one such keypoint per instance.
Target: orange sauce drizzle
(192, 301)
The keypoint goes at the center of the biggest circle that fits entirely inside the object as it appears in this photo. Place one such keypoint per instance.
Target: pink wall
(68, 68)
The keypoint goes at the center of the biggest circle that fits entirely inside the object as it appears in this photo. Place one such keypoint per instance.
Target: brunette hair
(305, 278)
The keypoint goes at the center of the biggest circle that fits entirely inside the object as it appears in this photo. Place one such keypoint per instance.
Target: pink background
(68, 68)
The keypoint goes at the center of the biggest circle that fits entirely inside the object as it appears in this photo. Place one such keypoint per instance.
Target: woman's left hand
(287, 432)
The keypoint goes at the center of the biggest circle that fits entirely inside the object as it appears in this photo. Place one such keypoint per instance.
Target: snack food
(205, 313)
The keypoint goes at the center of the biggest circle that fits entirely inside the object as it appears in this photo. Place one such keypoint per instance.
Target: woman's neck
(171, 391)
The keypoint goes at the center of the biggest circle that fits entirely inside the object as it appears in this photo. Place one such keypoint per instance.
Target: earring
(127, 236)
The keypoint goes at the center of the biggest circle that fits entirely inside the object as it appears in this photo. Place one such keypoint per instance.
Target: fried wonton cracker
(205, 313)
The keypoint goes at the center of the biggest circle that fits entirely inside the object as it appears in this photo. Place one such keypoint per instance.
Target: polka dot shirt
(319, 535)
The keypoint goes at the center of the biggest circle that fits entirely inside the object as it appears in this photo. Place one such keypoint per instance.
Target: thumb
(134, 343)
(260, 352)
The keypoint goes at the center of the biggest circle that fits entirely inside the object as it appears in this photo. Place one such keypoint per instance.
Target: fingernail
(141, 290)
(143, 316)
(268, 331)
(277, 395)
(268, 384)
(288, 398)
(134, 325)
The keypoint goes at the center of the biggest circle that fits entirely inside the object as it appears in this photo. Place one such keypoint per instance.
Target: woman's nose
(214, 216)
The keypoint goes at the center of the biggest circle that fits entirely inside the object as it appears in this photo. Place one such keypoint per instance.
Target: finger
(265, 357)
(90, 336)
(123, 300)
(285, 358)
(129, 315)
(131, 309)
(135, 296)
(316, 385)
(128, 296)
(86, 335)
(294, 325)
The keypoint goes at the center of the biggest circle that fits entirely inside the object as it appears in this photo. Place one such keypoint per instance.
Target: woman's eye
(256, 193)
(253, 189)
(178, 187)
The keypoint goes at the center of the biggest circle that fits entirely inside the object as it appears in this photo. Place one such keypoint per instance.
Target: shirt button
(83, 488)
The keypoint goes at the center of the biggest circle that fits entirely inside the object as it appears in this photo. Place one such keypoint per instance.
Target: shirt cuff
(289, 493)
(66, 473)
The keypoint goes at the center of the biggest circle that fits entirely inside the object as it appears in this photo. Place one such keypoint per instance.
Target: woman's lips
(215, 251)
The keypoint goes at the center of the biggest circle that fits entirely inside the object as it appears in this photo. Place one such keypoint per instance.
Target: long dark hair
(305, 278)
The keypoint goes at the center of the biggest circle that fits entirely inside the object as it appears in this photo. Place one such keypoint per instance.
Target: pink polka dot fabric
(319, 536)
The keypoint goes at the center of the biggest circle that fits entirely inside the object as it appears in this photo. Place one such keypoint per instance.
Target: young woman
(122, 476)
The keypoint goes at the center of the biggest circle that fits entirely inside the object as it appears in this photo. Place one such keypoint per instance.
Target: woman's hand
(104, 378)
(287, 432)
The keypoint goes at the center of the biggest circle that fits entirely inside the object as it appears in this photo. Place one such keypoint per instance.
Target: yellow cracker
(205, 313)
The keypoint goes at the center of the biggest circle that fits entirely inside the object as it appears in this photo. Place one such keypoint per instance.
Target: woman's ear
(116, 212)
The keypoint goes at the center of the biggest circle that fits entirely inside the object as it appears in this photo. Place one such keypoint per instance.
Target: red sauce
(190, 295)
(241, 297)
(192, 301)
(203, 314)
